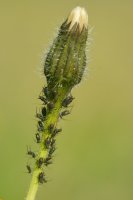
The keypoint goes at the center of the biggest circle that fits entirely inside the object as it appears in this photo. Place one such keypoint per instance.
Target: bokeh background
(94, 159)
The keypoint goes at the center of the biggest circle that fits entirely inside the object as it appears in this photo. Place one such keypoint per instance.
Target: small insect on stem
(39, 116)
(43, 99)
(40, 162)
(40, 126)
(64, 113)
(51, 127)
(41, 178)
(56, 131)
(45, 91)
(52, 150)
(29, 169)
(31, 153)
(67, 101)
(48, 160)
(47, 142)
(38, 138)
(44, 111)
(50, 105)
(53, 142)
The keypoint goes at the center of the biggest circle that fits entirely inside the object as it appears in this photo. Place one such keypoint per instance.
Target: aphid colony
(50, 139)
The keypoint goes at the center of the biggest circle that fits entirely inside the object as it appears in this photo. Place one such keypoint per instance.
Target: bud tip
(78, 16)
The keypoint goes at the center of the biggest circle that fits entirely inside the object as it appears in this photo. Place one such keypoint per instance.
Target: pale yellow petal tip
(78, 16)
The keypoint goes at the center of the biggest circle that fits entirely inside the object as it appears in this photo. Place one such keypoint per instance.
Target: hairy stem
(52, 118)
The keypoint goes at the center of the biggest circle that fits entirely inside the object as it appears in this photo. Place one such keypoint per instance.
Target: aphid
(44, 112)
(40, 123)
(52, 142)
(40, 126)
(38, 138)
(31, 153)
(43, 99)
(45, 90)
(52, 149)
(41, 178)
(48, 160)
(47, 142)
(67, 101)
(64, 113)
(51, 127)
(47, 163)
(29, 169)
(56, 131)
(39, 116)
(39, 162)
(50, 105)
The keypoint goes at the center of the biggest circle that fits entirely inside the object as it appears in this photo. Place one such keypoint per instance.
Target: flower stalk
(64, 67)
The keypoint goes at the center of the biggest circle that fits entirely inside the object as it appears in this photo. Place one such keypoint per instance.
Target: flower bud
(66, 60)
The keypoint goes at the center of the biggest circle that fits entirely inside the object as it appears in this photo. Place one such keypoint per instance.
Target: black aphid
(40, 162)
(67, 101)
(38, 138)
(45, 90)
(51, 127)
(44, 111)
(29, 169)
(39, 116)
(52, 150)
(50, 105)
(52, 141)
(64, 113)
(41, 178)
(56, 131)
(43, 99)
(31, 153)
(48, 160)
(47, 142)
(40, 126)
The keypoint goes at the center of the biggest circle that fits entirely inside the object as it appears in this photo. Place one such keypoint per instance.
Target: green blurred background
(94, 159)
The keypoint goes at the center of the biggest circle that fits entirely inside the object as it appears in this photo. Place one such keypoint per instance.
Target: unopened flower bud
(66, 60)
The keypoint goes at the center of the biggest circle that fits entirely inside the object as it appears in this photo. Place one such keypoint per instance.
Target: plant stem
(33, 187)
(52, 118)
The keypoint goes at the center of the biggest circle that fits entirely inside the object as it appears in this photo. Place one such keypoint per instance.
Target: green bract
(66, 60)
